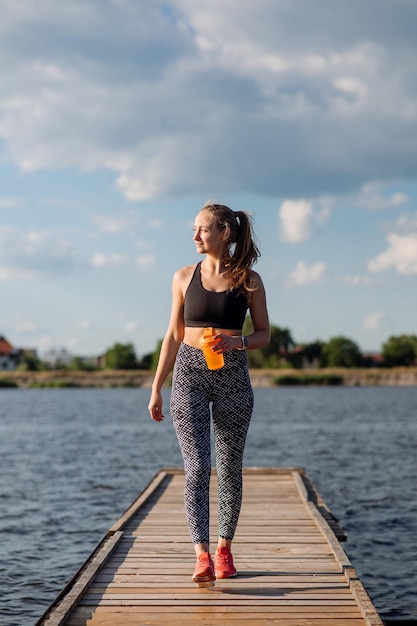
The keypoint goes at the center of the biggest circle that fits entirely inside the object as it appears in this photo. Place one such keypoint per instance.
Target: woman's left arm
(261, 334)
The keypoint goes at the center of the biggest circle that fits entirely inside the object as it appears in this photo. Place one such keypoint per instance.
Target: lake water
(72, 461)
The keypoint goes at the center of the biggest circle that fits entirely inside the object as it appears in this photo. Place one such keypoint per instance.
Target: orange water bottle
(214, 360)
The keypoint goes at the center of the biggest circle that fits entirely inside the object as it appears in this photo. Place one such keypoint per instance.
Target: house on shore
(11, 357)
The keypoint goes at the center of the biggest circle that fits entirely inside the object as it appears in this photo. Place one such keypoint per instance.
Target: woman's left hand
(225, 343)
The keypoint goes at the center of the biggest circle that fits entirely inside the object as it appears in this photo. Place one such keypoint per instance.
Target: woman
(217, 292)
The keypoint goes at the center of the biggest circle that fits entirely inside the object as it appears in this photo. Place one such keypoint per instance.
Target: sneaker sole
(204, 579)
(208, 579)
(229, 576)
(203, 584)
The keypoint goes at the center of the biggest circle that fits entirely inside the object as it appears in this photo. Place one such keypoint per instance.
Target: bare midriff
(193, 335)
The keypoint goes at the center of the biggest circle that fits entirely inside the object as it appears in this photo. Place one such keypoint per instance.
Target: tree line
(339, 351)
(282, 352)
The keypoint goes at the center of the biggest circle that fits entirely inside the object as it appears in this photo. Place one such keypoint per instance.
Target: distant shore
(351, 377)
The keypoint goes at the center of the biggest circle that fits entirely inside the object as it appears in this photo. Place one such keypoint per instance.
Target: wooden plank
(177, 602)
(218, 610)
(261, 592)
(131, 617)
(292, 570)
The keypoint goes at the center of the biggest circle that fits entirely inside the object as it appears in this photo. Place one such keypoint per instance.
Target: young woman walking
(216, 292)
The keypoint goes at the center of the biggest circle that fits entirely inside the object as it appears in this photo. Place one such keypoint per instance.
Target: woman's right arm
(169, 347)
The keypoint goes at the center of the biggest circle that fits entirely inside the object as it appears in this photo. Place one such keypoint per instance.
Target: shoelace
(225, 557)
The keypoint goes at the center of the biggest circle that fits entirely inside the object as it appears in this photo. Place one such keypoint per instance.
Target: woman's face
(207, 237)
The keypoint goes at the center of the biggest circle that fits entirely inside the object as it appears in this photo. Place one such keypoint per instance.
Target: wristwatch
(244, 345)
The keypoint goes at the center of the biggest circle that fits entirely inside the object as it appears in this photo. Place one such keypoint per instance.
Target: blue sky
(120, 118)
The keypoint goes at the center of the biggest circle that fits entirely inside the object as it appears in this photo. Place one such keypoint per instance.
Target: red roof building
(5, 346)
(10, 357)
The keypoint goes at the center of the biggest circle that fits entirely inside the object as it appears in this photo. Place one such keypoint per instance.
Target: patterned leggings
(229, 393)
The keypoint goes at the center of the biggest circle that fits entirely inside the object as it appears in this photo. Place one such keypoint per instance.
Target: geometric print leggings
(225, 395)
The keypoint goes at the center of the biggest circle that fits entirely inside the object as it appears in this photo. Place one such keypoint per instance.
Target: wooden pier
(292, 570)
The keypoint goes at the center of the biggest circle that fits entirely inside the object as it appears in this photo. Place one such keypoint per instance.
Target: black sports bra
(220, 309)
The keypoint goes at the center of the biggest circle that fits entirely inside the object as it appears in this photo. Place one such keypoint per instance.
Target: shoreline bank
(350, 377)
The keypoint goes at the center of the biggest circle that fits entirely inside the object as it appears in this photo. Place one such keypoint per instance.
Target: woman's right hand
(155, 407)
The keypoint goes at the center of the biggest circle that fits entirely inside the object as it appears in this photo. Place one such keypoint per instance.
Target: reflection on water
(73, 460)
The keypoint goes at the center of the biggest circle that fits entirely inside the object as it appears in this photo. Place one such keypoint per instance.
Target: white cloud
(401, 255)
(407, 223)
(8, 274)
(111, 261)
(351, 86)
(10, 202)
(323, 214)
(156, 223)
(143, 245)
(135, 188)
(85, 325)
(295, 219)
(145, 261)
(233, 97)
(24, 326)
(355, 281)
(305, 275)
(372, 197)
(114, 224)
(298, 219)
(131, 327)
(373, 320)
(32, 254)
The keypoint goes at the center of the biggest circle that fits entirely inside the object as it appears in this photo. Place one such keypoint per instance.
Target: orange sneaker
(204, 570)
(223, 560)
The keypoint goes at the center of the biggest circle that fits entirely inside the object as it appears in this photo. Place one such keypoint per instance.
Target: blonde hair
(241, 251)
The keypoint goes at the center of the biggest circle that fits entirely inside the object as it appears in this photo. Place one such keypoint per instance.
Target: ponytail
(241, 251)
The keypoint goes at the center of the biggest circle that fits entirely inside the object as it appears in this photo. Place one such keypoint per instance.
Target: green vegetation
(82, 365)
(283, 352)
(282, 362)
(306, 379)
(6, 383)
(31, 363)
(120, 357)
(155, 356)
(401, 350)
(341, 352)
(54, 384)
(273, 355)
